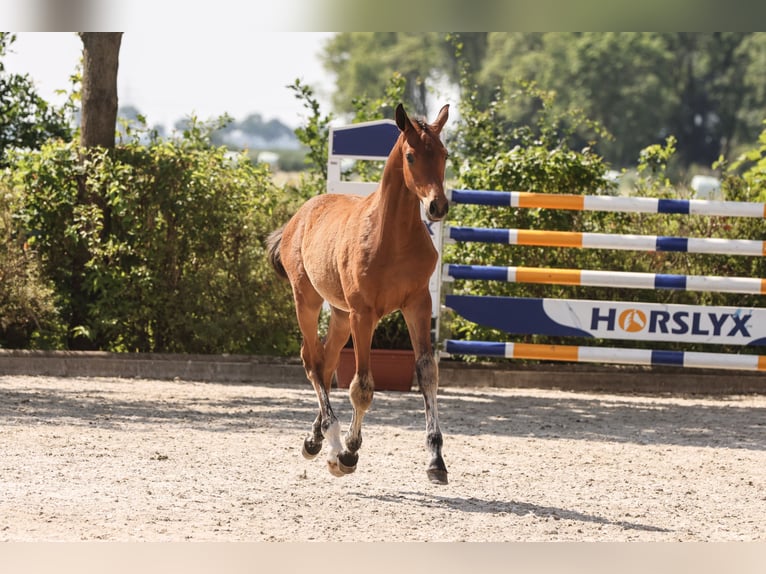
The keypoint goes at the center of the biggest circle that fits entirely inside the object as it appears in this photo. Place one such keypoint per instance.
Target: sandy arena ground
(146, 460)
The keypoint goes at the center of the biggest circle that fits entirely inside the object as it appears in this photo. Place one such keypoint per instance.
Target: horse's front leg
(361, 389)
(417, 314)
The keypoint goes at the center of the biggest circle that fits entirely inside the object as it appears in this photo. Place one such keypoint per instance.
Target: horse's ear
(401, 118)
(441, 119)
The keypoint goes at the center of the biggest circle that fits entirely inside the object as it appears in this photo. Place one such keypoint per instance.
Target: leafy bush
(746, 176)
(158, 247)
(315, 136)
(28, 315)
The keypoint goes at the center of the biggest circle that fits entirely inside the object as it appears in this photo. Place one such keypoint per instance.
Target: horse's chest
(410, 265)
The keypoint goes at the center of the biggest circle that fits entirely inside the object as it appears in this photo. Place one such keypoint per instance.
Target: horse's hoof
(437, 475)
(334, 468)
(310, 449)
(347, 462)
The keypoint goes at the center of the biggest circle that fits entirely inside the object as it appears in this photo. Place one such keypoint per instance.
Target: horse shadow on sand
(501, 507)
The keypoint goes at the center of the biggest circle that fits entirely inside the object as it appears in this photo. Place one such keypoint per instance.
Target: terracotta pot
(392, 370)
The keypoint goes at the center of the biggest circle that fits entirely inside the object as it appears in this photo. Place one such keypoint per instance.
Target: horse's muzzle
(437, 209)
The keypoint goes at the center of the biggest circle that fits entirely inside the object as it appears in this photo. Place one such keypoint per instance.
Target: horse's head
(424, 158)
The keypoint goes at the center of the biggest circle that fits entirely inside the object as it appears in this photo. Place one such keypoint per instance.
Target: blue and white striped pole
(616, 279)
(529, 200)
(542, 238)
(582, 354)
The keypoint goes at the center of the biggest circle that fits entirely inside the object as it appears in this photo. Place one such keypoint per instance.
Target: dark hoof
(347, 462)
(311, 449)
(437, 475)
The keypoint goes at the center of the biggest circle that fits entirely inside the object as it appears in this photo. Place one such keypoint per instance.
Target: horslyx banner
(615, 320)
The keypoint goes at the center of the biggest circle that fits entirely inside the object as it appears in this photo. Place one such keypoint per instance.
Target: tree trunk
(101, 51)
(97, 128)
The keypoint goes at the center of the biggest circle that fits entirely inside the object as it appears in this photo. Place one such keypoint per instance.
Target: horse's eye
(410, 158)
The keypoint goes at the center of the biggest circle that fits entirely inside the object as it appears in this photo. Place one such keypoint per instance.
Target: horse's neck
(397, 207)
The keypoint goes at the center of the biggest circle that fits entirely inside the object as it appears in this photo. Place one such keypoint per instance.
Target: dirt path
(115, 459)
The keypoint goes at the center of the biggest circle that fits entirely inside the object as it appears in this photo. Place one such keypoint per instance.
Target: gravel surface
(147, 460)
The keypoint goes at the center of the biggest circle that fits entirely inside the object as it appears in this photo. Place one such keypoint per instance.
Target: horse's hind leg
(308, 304)
(417, 314)
(337, 335)
(312, 444)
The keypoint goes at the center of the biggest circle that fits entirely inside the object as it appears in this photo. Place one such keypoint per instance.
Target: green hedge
(28, 315)
(156, 247)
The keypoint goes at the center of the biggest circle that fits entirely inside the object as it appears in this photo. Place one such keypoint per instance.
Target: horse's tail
(275, 258)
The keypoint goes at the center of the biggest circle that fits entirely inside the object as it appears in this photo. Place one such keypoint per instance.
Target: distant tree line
(706, 89)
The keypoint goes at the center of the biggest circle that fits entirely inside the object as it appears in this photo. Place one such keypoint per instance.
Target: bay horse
(368, 256)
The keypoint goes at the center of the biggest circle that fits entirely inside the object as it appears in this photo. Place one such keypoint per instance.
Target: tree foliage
(642, 86)
(26, 119)
(707, 89)
(254, 132)
(363, 62)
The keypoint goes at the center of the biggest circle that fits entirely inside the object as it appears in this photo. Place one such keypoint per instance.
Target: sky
(171, 75)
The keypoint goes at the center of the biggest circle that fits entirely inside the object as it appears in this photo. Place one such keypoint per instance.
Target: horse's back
(324, 214)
